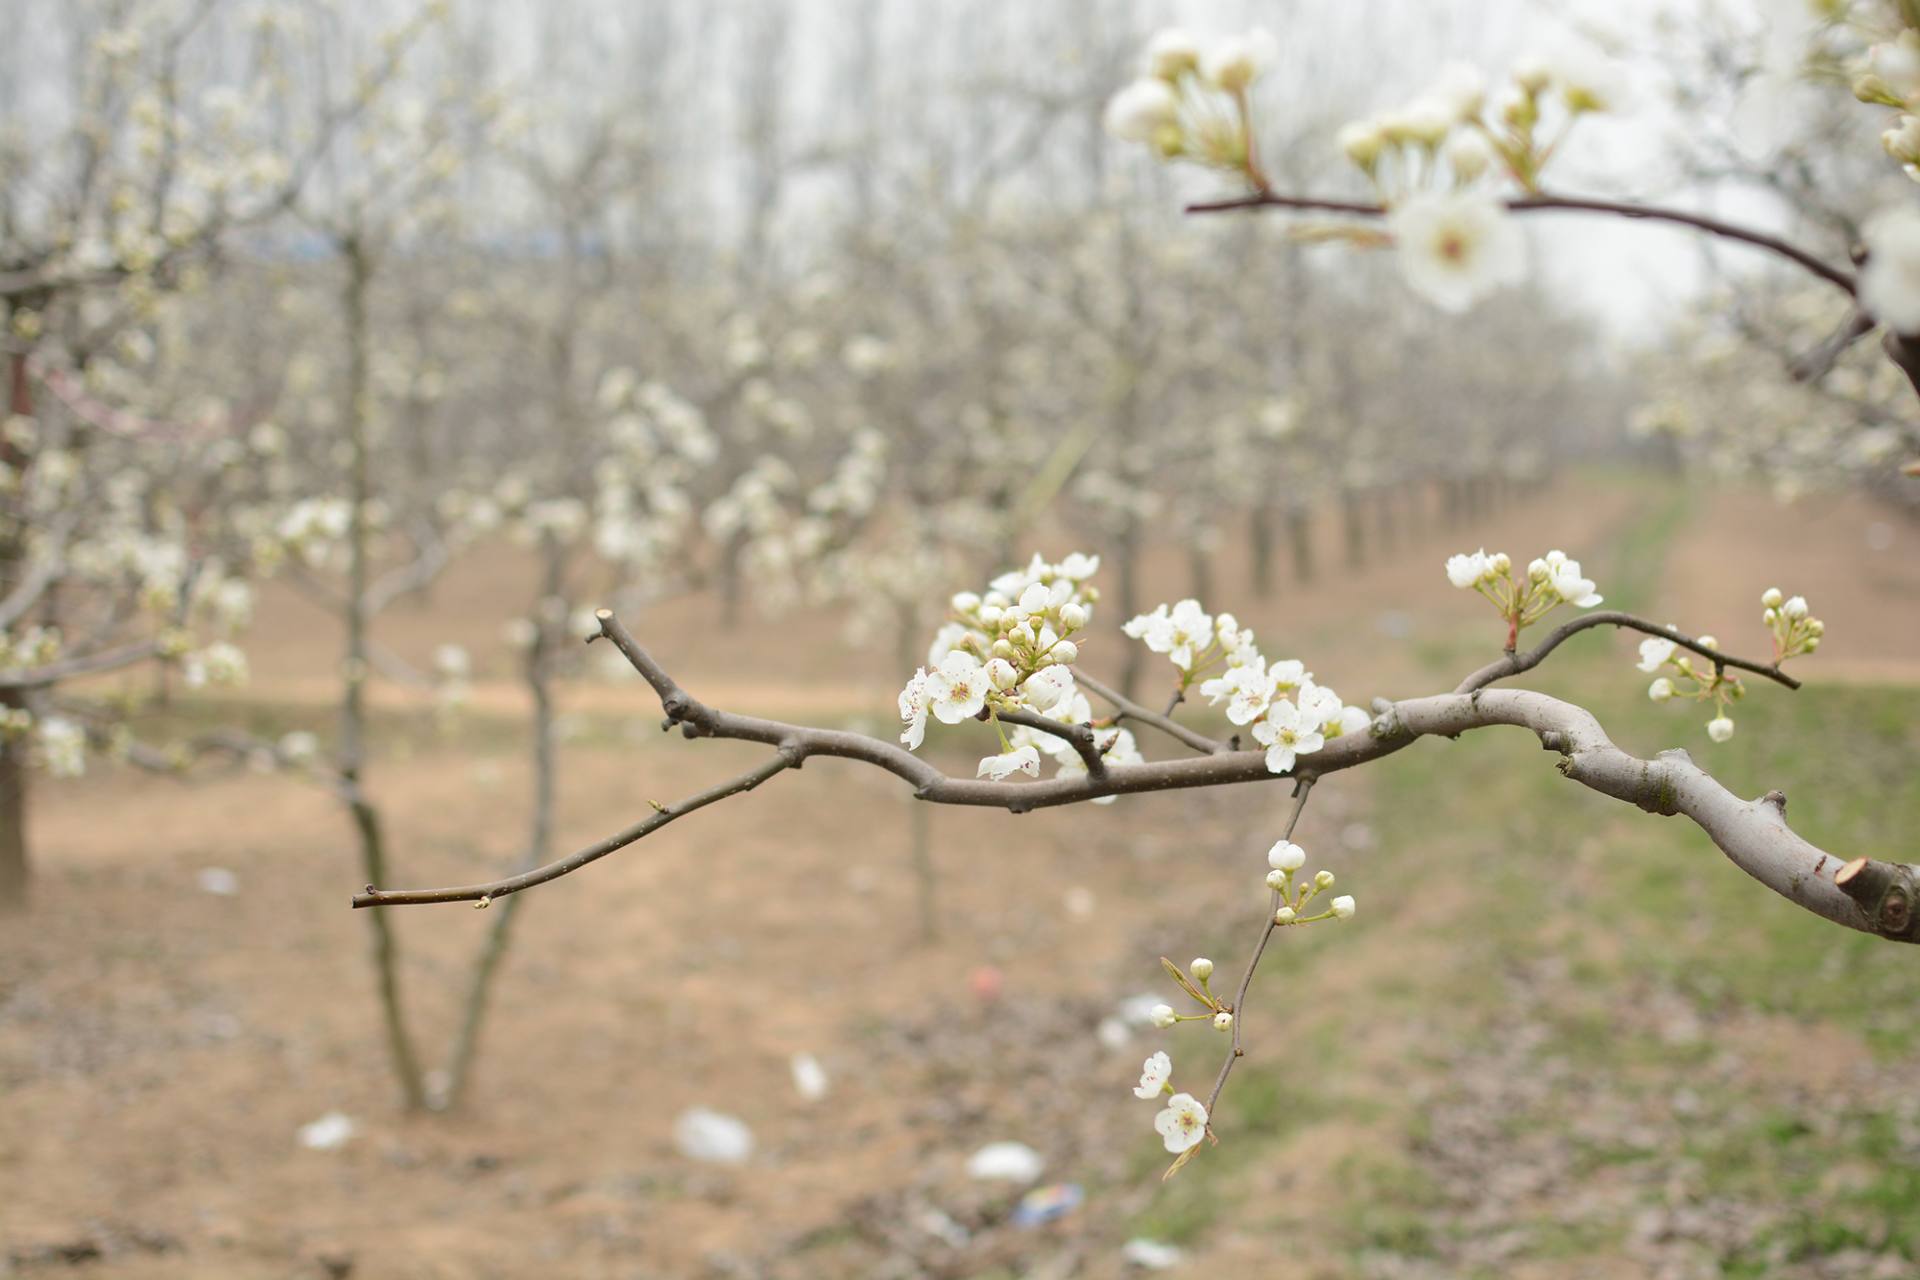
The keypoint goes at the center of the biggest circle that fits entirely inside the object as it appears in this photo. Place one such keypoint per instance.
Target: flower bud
(991, 614)
(1002, 674)
(1343, 907)
(1201, 969)
(1815, 627)
(1795, 607)
(1073, 616)
(1769, 616)
(1532, 73)
(1323, 879)
(1810, 643)
(1709, 642)
(1772, 598)
(1223, 1021)
(1363, 142)
(1284, 915)
(1720, 728)
(1161, 1015)
(1286, 856)
(1660, 690)
(1537, 570)
(1002, 648)
(1502, 563)
(965, 602)
(1277, 881)
(1065, 652)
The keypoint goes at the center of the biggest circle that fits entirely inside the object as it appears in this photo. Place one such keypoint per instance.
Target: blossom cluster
(1010, 649)
(1684, 675)
(1290, 714)
(1191, 100)
(1550, 581)
(1183, 1123)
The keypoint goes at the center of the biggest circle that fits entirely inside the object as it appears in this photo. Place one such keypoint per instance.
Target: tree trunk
(1130, 607)
(13, 815)
(1260, 550)
(1199, 572)
(366, 820)
(1352, 515)
(1300, 539)
(13, 752)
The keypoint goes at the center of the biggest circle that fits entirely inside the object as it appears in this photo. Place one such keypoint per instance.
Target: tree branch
(661, 816)
(1752, 833)
(1512, 664)
(1543, 203)
(1080, 737)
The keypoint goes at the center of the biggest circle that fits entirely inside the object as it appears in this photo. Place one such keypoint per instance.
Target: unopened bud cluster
(1191, 100)
(1549, 582)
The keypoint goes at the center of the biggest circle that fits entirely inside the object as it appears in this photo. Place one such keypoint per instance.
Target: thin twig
(1512, 664)
(1300, 792)
(1131, 710)
(374, 897)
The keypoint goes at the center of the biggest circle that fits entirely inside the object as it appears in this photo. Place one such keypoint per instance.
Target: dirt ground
(160, 1045)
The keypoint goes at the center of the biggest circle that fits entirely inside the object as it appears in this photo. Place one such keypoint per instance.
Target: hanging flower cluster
(1191, 101)
(1011, 649)
(1184, 1121)
(1551, 581)
(1795, 632)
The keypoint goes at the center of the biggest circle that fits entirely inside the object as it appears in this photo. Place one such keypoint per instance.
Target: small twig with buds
(1127, 709)
(1236, 1052)
(1512, 664)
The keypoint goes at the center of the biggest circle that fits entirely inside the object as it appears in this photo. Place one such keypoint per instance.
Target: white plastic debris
(1006, 1162)
(809, 1077)
(218, 880)
(705, 1134)
(329, 1133)
(1151, 1255)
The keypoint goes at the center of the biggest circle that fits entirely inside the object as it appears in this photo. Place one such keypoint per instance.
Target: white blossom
(1024, 759)
(1660, 690)
(1237, 61)
(1153, 1076)
(1161, 1015)
(1142, 110)
(1286, 734)
(959, 687)
(914, 701)
(1455, 248)
(1183, 1123)
(1654, 653)
(1286, 856)
(1720, 728)
(1890, 280)
(1180, 633)
(1343, 907)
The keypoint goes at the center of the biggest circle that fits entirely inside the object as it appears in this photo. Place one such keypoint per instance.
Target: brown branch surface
(1752, 833)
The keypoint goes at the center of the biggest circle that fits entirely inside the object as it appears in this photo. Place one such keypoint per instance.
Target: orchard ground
(1561, 1039)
